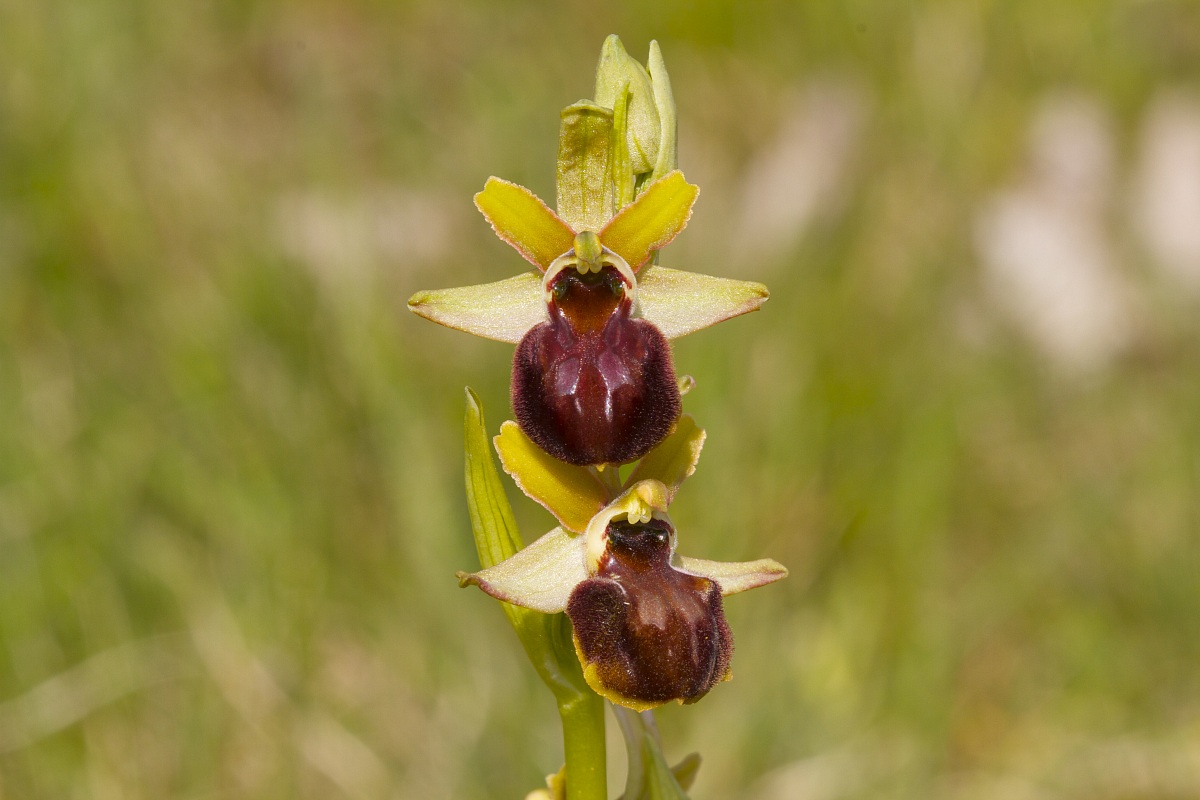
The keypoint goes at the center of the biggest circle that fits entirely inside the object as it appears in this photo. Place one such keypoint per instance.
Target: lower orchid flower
(648, 624)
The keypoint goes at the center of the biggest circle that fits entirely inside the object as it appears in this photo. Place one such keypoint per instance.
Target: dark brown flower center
(594, 385)
(651, 633)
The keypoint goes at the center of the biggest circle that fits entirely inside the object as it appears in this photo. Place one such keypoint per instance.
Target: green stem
(583, 745)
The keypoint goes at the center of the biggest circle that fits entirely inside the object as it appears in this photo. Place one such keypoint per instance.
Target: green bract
(546, 638)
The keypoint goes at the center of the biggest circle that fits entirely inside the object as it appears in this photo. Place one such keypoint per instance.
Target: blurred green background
(231, 501)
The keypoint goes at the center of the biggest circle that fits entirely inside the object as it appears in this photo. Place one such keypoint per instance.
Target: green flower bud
(613, 147)
(620, 75)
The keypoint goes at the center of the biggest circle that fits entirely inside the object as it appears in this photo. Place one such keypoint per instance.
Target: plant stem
(583, 745)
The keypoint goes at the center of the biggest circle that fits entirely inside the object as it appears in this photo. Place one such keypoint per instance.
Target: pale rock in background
(1166, 187)
(800, 176)
(1047, 255)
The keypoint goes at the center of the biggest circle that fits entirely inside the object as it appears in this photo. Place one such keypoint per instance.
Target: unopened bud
(620, 74)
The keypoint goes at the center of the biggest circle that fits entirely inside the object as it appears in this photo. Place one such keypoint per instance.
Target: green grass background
(231, 500)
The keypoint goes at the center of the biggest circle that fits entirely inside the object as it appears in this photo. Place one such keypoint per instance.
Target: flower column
(594, 392)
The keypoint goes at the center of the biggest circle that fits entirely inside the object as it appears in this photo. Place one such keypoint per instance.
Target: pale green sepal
(674, 459)
(520, 218)
(584, 178)
(664, 100)
(572, 494)
(648, 776)
(734, 576)
(541, 577)
(618, 73)
(504, 310)
(649, 224)
(679, 302)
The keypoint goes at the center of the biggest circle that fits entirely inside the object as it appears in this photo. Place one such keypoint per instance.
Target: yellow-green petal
(504, 310)
(540, 577)
(572, 494)
(652, 221)
(675, 458)
(735, 576)
(520, 218)
(679, 302)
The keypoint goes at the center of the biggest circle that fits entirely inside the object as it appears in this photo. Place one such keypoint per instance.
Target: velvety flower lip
(647, 632)
(649, 626)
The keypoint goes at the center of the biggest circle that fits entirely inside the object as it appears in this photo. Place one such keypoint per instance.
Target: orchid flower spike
(649, 625)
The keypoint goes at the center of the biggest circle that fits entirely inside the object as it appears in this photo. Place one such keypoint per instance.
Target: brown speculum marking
(651, 632)
(593, 385)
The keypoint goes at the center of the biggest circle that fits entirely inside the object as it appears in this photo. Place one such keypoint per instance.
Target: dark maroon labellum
(594, 385)
(650, 632)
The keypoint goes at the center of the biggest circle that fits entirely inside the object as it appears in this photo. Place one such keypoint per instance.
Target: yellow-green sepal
(651, 221)
(520, 218)
(584, 179)
(679, 302)
(572, 494)
(503, 310)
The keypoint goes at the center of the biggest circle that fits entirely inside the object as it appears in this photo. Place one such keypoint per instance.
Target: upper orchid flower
(593, 381)
(649, 626)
